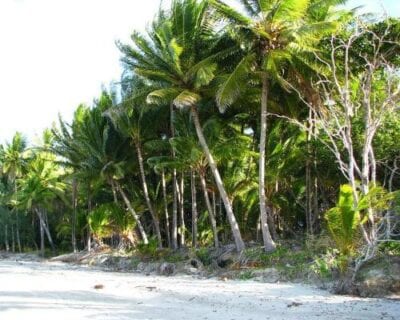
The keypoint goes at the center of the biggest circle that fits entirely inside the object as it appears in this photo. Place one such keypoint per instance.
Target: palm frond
(231, 88)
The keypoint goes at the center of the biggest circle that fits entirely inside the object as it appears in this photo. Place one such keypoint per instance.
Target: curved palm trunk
(224, 196)
(133, 212)
(156, 222)
(167, 227)
(44, 229)
(210, 209)
(269, 244)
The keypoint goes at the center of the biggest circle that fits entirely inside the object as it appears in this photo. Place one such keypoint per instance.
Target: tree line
(276, 120)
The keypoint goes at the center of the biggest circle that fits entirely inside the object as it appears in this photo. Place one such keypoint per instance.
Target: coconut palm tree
(39, 187)
(103, 153)
(128, 120)
(65, 146)
(13, 162)
(179, 55)
(270, 32)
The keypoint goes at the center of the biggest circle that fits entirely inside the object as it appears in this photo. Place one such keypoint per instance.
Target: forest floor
(32, 289)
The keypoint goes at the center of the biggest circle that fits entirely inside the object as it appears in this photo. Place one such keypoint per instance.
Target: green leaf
(163, 96)
(186, 99)
(205, 75)
(234, 83)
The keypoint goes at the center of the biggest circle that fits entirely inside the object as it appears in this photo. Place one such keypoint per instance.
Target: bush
(149, 250)
(204, 255)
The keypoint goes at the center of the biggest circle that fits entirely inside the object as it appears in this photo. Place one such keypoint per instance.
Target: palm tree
(103, 153)
(13, 163)
(65, 146)
(128, 120)
(39, 187)
(180, 56)
(271, 32)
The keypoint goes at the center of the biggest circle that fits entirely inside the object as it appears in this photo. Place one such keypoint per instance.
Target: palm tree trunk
(174, 187)
(214, 208)
(209, 208)
(167, 227)
(113, 190)
(17, 231)
(12, 238)
(44, 226)
(41, 239)
(133, 212)
(309, 192)
(48, 234)
(89, 232)
(74, 213)
(6, 238)
(156, 222)
(17, 219)
(224, 196)
(181, 201)
(269, 244)
(175, 212)
(194, 208)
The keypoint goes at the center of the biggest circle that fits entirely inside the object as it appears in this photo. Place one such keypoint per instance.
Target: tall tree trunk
(181, 201)
(43, 222)
(74, 212)
(211, 211)
(175, 212)
(12, 238)
(17, 231)
(48, 234)
(133, 212)
(6, 238)
(271, 222)
(156, 221)
(113, 190)
(309, 182)
(167, 227)
(224, 196)
(41, 238)
(174, 233)
(17, 219)
(194, 208)
(214, 201)
(89, 231)
(269, 244)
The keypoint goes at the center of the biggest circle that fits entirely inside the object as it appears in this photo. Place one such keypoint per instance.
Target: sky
(56, 54)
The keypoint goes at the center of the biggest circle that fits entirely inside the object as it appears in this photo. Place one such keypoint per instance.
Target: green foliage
(100, 221)
(246, 275)
(390, 248)
(343, 222)
(150, 250)
(204, 256)
(325, 265)
(189, 59)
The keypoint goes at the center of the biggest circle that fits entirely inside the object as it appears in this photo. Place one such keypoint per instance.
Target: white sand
(32, 290)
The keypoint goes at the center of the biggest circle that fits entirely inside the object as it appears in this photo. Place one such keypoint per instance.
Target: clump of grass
(246, 275)
(204, 255)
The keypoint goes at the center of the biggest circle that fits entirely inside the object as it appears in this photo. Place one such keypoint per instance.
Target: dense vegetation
(276, 121)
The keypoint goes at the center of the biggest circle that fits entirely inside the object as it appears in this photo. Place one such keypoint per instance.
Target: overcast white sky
(55, 54)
